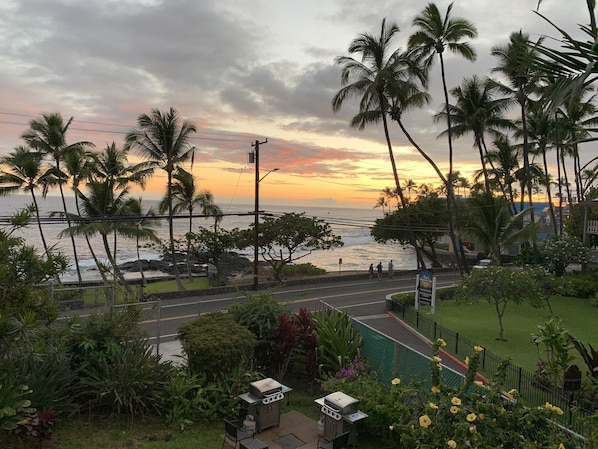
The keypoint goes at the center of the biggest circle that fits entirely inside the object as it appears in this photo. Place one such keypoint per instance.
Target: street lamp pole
(256, 222)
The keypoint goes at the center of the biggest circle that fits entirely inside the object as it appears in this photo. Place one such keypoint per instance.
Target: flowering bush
(474, 414)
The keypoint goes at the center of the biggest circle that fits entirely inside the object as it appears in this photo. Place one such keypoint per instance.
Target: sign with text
(425, 289)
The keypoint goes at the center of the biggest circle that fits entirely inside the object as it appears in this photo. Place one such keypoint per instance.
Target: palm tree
(504, 160)
(491, 225)
(381, 203)
(515, 64)
(164, 141)
(144, 223)
(369, 79)
(477, 111)
(23, 170)
(434, 35)
(48, 136)
(185, 198)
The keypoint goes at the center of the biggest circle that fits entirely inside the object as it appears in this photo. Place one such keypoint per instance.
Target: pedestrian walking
(391, 268)
(371, 271)
(379, 268)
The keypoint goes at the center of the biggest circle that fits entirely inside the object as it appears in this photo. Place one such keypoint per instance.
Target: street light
(254, 157)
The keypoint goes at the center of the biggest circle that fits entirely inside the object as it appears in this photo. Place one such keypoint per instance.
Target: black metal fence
(530, 388)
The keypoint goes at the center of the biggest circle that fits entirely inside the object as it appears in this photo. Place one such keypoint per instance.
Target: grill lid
(261, 388)
(341, 402)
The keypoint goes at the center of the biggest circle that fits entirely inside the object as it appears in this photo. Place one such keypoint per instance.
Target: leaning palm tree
(433, 36)
(23, 170)
(48, 136)
(369, 79)
(185, 198)
(164, 141)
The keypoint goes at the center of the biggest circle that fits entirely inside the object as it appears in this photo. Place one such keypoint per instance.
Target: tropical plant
(47, 135)
(284, 341)
(500, 286)
(15, 407)
(213, 244)
(558, 253)
(370, 78)
(337, 342)
(164, 141)
(556, 342)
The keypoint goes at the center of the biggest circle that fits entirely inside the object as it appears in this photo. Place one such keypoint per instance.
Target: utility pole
(256, 160)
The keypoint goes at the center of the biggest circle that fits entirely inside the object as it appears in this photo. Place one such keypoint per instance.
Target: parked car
(483, 263)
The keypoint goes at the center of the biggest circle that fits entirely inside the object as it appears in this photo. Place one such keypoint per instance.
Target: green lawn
(479, 324)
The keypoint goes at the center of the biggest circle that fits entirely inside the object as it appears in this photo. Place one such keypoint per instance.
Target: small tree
(280, 238)
(500, 286)
(213, 244)
(557, 345)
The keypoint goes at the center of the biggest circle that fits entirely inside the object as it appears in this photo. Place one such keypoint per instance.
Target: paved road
(364, 299)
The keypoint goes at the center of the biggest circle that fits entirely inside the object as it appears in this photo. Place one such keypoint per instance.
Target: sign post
(425, 290)
(340, 264)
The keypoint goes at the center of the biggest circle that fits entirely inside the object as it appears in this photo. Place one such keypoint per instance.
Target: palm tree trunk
(68, 221)
(175, 267)
(420, 261)
(41, 232)
(91, 251)
(189, 273)
(527, 174)
(119, 275)
(457, 247)
(548, 193)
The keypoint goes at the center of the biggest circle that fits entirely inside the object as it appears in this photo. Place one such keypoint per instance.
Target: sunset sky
(243, 70)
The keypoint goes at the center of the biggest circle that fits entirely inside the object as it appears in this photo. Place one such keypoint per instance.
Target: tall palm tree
(504, 160)
(369, 78)
(164, 141)
(185, 198)
(23, 170)
(382, 202)
(477, 111)
(48, 136)
(433, 36)
(515, 63)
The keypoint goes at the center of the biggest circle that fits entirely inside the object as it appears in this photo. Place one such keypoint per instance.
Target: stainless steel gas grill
(340, 415)
(263, 402)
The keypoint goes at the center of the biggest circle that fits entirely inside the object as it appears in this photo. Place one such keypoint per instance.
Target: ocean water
(353, 225)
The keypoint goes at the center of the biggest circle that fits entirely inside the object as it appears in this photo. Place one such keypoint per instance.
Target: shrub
(128, 379)
(215, 343)
(259, 314)
(302, 269)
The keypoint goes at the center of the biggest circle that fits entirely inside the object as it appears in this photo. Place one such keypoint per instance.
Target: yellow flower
(558, 410)
(396, 381)
(471, 417)
(478, 383)
(561, 446)
(391, 428)
(456, 401)
(425, 421)
(437, 359)
(435, 389)
(481, 416)
(472, 429)
(467, 361)
(512, 392)
(454, 409)
(452, 444)
(441, 342)
(433, 406)
(548, 406)
(477, 348)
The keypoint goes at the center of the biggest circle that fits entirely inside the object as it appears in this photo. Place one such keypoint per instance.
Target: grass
(479, 324)
(105, 432)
